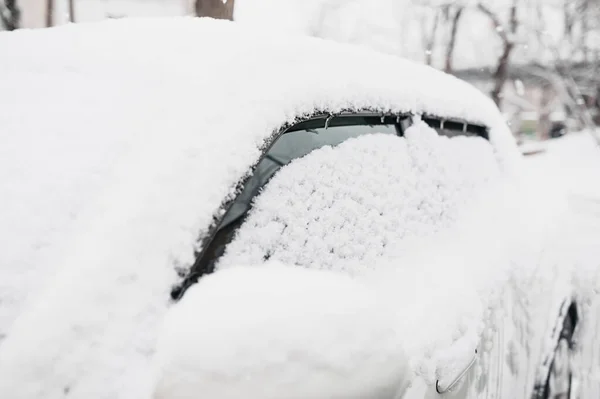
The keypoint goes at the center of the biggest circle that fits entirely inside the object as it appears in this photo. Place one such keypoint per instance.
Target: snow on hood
(119, 141)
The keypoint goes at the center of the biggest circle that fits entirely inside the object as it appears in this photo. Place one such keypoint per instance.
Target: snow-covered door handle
(443, 385)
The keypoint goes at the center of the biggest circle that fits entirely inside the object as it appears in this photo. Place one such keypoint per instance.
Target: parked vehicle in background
(557, 129)
(201, 209)
(558, 125)
(529, 124)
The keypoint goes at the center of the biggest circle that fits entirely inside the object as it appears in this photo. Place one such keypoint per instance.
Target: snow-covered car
(191, 209)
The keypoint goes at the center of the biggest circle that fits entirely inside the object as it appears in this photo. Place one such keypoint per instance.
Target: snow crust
(118, 143)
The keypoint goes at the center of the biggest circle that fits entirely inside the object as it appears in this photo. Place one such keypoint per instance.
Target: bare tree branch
(452, 42)
(498, 26)
(583, 10)
(569, 20)
(10, 15)
(501, 72)
(513, 21)
(430, 39)
(49, 13)
(71, 11)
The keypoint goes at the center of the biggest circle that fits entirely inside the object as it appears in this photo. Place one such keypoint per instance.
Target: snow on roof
(118, 143)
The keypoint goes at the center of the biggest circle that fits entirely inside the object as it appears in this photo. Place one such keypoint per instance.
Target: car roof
(120, 140)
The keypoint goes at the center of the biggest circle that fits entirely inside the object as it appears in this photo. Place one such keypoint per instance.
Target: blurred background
(539, 60)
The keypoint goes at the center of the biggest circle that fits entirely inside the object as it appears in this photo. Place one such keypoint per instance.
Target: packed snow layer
(118, 143)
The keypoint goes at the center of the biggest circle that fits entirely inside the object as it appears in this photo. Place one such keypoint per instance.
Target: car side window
(296, 142)
(455, 128)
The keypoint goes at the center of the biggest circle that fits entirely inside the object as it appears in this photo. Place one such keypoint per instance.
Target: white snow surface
(119, 141)
(571, 165)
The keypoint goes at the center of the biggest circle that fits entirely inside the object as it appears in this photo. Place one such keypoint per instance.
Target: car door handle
(444, 385)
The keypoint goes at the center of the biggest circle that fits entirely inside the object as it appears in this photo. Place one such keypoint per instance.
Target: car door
(343, 193)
